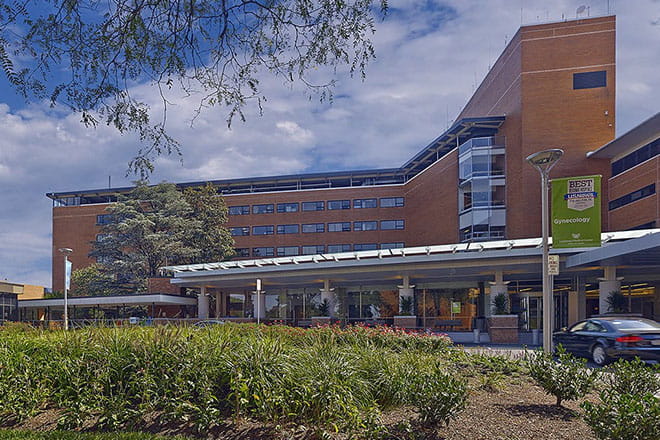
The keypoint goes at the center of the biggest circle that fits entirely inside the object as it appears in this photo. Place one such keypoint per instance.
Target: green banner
(576, 212)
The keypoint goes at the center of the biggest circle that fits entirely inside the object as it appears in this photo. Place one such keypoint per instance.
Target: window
(242, 252)
(397, 245)
(632, 197)
(287, 251)
(263, 209)
(313, 228)
(339, 227)
(239, 230)
(589, 80)
(288, 229)
(339, 204)
(388, 225)
(313, 249)
(365, 247)
(364, 203)
(649, 225)
(105, 219)
(262, 230)
(239, 210)
(391, 202)
(638, 156)
(263, 252)
(365, 226)
(336, 248)
(313, 206)
(287, 207)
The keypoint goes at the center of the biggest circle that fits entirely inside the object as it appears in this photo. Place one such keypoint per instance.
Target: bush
(628, 408)
(624, 416)
(632, 377)
(567, 378)
(437, 396)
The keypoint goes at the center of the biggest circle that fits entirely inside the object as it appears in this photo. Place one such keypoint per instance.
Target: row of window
(632, 197)
(291, 251)
(312, 228)
(638, 156)
(270, 208)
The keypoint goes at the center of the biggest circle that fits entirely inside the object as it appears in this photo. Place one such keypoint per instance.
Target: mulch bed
(518, 411)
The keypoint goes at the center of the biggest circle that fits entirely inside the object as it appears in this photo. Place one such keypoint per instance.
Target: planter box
(503, 329)
(405, 321)
(321, 320)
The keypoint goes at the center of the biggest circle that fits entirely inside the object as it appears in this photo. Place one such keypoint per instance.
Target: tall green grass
(332, 378)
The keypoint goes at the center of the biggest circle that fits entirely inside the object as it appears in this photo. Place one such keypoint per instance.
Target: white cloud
(430, 56)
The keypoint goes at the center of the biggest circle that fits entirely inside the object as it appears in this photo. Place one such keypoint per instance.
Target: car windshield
(635, 324)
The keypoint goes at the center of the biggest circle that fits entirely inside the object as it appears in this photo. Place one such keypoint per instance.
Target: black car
(607, 338)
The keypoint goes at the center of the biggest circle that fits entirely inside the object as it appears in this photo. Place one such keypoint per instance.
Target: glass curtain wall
(481, 189)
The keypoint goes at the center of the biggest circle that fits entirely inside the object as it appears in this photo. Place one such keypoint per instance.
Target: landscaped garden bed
(242, 381)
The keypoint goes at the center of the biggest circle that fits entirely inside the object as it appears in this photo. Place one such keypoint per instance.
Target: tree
(91, 281)
(159, 225)
(217, 49)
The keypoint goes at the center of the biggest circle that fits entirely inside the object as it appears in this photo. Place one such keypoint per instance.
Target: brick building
(553, 86)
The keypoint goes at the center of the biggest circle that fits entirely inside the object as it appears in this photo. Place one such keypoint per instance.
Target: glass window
(287, 207)
(239, 230)
(388, 225)
(288, 229)
(313, 206)
(263, 209)
(365, 226)
(313, 228)
(339, 204)
(589, 80)
(397, 245)
(336, 248)
(339, 227)
(287, 251)
(242, 252)
(105, 219)
(365, 247)
(364, 203)
(239, 210)
(391, 202)
(645, 153)
(263, 252)
(262, 230)
(313, 249)
(632, 197)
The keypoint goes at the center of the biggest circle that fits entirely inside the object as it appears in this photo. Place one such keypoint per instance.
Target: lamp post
(66, 252)
(544, 161)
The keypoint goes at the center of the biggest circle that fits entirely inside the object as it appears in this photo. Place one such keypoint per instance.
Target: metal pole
(547, 291)
(66, 295)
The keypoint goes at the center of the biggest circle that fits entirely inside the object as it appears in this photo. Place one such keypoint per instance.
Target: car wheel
(599, 355)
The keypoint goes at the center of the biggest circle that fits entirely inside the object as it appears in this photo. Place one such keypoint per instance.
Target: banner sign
(576, 212)
(67, 275)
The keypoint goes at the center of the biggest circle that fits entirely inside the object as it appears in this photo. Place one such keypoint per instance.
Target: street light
(66, 252)
(544, 161)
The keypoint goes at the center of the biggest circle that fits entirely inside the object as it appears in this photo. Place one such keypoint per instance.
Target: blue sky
(430, 56)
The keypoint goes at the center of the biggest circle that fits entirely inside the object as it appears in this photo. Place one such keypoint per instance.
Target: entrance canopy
(150, 299)
(519, 259)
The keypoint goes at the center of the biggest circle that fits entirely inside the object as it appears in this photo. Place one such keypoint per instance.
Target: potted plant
(324, 317)
(502, 326)
(405, 318)
(617, 302)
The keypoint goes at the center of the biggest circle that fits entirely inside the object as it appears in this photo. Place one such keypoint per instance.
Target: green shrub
(567, 378)
(631, 377)
(437, 396)
(628, 408)
(624, 416)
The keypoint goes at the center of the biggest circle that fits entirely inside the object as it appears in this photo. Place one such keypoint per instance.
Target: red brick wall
(641, 211)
